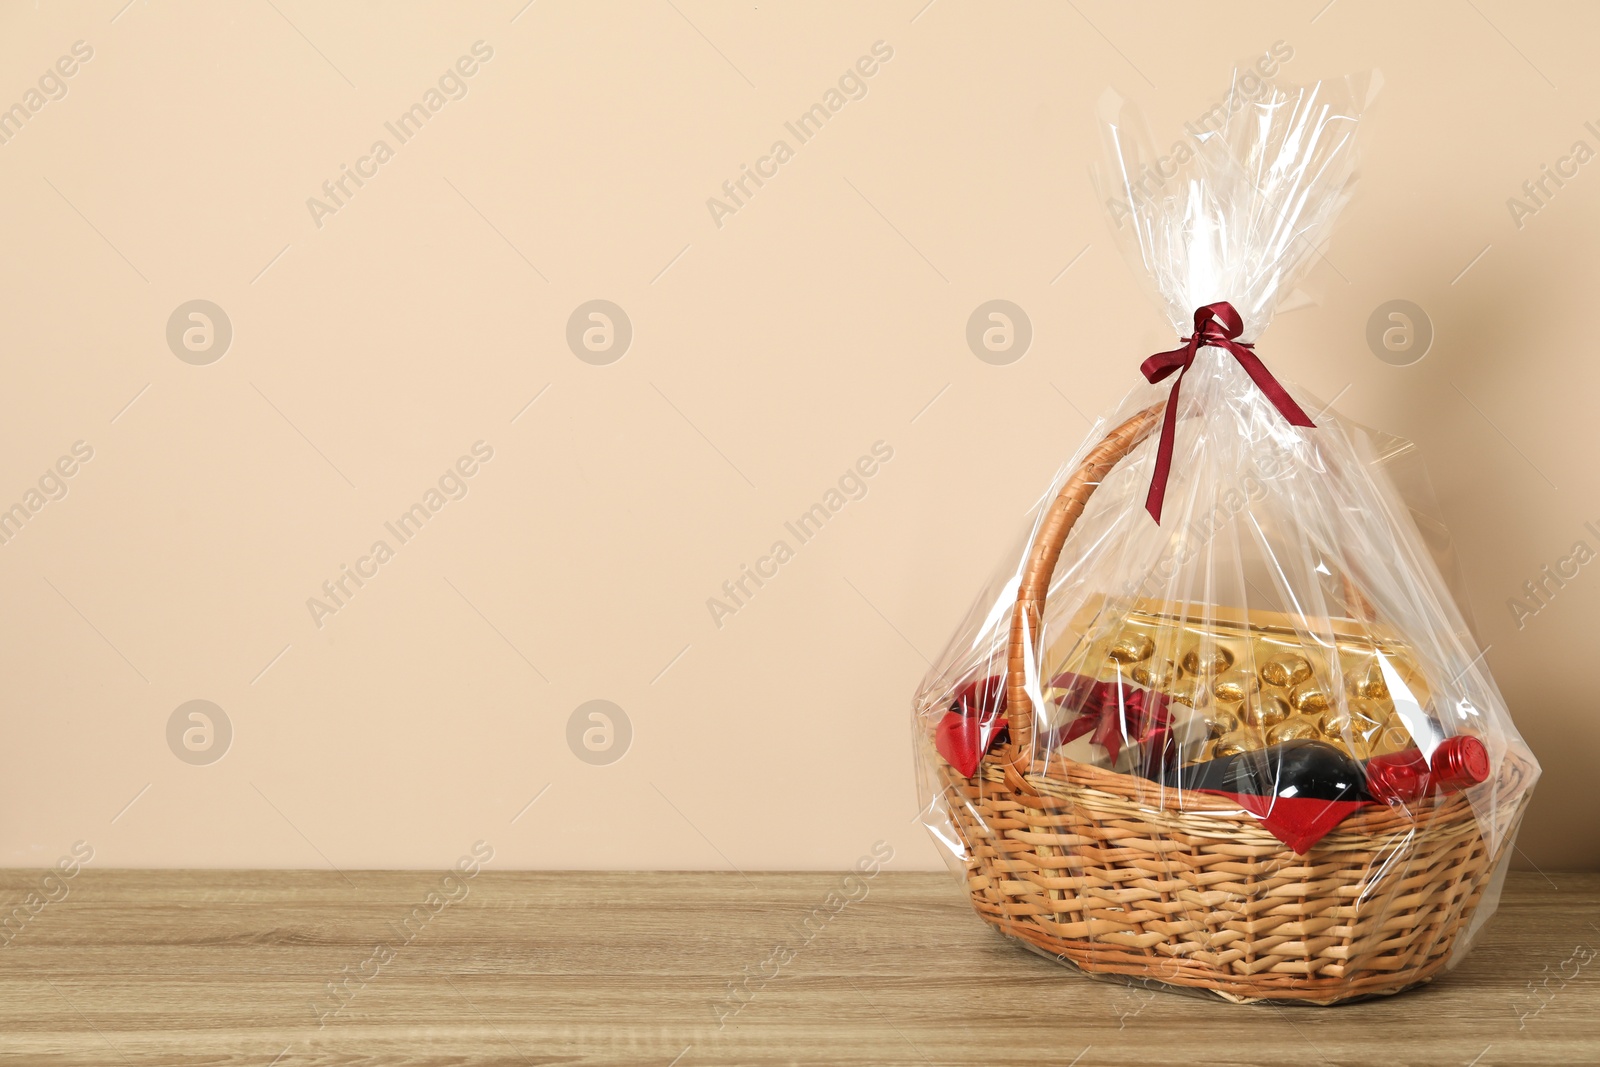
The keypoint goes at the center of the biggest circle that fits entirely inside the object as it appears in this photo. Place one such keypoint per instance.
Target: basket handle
(1041, 565)
(1042, 557)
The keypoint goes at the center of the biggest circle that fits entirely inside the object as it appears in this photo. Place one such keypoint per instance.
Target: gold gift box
(1252, 675)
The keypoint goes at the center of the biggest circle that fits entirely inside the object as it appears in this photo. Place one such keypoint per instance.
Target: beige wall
(373, 346)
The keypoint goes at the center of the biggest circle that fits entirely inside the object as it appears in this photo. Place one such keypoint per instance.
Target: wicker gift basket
(1107, 749)
(1118, 875)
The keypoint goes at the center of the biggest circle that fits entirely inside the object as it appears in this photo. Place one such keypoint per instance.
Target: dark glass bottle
(1299, 768)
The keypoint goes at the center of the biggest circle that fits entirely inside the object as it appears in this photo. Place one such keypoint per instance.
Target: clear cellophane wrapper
(1297, 586)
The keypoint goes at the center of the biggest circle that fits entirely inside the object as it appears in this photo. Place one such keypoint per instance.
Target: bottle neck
(1458, 763)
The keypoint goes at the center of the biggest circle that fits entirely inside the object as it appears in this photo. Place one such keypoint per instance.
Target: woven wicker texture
(1118, 875)
(1104, 870)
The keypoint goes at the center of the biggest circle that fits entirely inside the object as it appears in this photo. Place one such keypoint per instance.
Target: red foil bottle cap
(1459, 762)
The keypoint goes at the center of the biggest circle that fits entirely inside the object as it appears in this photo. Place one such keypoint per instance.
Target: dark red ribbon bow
(1215, 326)
(1113, 713)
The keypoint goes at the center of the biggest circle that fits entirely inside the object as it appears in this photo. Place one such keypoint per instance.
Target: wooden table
(290, 968)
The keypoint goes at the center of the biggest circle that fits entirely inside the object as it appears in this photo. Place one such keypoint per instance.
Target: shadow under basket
(1120, 875)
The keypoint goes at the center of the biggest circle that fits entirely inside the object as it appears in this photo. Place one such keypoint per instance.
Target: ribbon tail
(1271, 387)
(1169, 435)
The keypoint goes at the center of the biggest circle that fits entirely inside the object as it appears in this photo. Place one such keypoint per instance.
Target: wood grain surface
(234, 967)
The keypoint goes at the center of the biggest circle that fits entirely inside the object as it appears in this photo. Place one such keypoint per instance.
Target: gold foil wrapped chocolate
(1131, 646)
(1231, 686)
(1286, 670)
(1233, 744)
(1309, 698)
(1359, 720)
(1368, 683)
(1221, 722)
(1264, 710)
(1292, 730)
(1156, 673)
(1205, 659)
(1193, 692)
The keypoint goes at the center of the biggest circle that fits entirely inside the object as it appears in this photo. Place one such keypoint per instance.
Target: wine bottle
(1302, 767)
(1402, 777)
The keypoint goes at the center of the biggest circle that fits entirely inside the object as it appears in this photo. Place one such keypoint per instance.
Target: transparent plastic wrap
(1218, 722)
